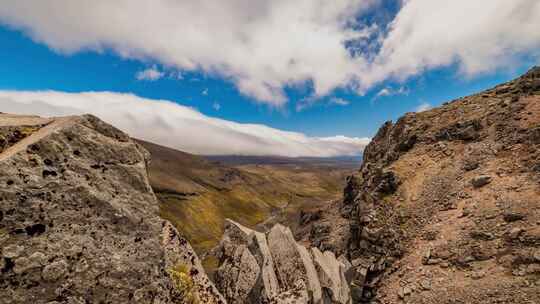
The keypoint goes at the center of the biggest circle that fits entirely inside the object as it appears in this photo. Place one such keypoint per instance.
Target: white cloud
(167, 123)
(389, 91)
(216, 106)
(150, 74)
(384, 92)
(260, 45)
(265, 46)
(339, 101)
(424, 106)
(205, 91)
(478, 36)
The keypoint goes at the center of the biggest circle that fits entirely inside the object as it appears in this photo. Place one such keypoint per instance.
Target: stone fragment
(476, 275)
(425, 284)
(403, 292)
(55, 270)
(514, 233)
(480, 181)
(510, 216)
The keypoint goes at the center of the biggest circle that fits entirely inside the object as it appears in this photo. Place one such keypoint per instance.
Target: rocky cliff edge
(79, 221)
(446, 205)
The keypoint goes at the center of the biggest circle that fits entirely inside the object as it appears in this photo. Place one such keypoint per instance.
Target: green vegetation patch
(183, 283)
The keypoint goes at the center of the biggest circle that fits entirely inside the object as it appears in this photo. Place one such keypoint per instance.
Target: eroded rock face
(78, 220)
(273, 268)
(449, 197)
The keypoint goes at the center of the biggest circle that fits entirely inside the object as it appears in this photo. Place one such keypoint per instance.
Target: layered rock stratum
(79, 221)
(272, 267)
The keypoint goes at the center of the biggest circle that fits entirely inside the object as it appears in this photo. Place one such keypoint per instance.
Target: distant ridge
(341, 161)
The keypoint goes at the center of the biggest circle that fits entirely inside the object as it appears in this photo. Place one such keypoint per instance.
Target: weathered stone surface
(286, 272)
(288, 263)
(429, 172)
(332, 276)
(178, 252)
(312, 275)
(79, 220)
(264, 257)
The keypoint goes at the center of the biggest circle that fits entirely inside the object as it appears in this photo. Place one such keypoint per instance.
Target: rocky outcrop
(445, 206)
(79, 221)
(189, 276)
(272, 267)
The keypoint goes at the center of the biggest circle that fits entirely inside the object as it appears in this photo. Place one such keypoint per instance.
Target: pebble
(425, 284)
(514, 233)
(404, 291)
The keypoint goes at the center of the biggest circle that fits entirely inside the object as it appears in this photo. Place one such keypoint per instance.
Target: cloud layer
(264, 46)
(180, 127)
(478, 36)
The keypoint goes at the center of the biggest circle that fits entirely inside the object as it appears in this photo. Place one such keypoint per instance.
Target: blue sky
(34, 61)
(32, 66)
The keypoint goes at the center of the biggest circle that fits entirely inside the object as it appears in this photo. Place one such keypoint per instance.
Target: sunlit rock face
(78, 219)
(272, 267)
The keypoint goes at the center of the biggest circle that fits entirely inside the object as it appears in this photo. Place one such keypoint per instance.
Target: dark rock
(307, 217)
(408, 143)
(471, 164)
(467, 131)
(510, 216)
(480, 181)
(388, 183)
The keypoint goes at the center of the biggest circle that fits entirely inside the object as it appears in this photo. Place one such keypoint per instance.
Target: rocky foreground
(79, 221)
(446, 205)
(272, 267)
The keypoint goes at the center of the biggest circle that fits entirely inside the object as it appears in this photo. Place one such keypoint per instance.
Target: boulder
(283, 270)
(79, 220)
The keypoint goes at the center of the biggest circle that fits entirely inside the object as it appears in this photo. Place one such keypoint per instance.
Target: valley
(198, 193)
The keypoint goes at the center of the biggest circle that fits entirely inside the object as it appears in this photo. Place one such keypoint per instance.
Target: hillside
(446, 205)
(197, 194)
